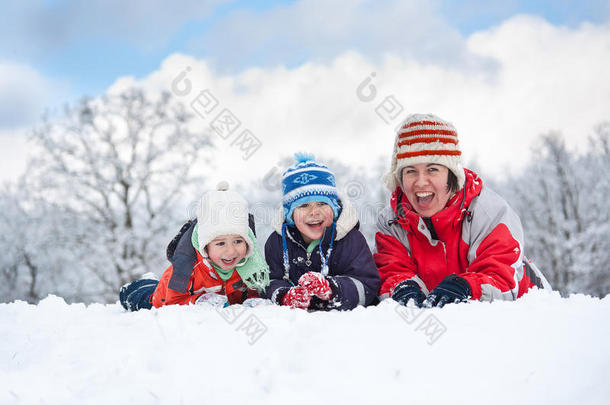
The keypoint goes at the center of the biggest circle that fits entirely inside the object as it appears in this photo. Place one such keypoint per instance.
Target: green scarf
(254, 271)
(225, 274)
(312, 245)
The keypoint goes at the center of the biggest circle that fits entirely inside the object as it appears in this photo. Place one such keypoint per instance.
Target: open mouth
(316, 225)
(424, 197)
(228, 262)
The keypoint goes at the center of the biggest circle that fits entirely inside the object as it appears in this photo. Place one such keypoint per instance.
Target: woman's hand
(452, 289)
(408, 290)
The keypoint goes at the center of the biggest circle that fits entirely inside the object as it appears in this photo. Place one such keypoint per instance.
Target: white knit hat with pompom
(222, 212)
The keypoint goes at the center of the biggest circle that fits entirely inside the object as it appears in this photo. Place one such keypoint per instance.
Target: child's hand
(297, 297)
(213, 299)
(316, 284)
(255, 302)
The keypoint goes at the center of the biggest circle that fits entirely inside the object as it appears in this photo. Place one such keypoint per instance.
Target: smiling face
(311, 219)
(227, 250)
(425, 185)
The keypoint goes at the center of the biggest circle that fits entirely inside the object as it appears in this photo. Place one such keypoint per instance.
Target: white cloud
(25, 94)
(550, 78)
(13, 152)
(319, 30)
(547, 78)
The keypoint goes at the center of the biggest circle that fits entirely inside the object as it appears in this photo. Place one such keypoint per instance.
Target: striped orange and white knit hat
(425, 138)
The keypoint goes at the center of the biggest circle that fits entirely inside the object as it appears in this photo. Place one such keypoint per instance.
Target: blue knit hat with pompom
(308, 181)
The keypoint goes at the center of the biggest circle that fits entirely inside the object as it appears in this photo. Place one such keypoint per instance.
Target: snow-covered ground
(540, 349)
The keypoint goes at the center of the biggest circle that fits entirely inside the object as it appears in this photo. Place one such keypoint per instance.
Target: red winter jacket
(203, 279)
(480, 238)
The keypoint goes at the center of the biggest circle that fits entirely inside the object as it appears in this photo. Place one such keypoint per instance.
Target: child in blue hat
(318, 258)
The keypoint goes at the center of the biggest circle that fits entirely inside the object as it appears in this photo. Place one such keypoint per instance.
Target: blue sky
(87, 45)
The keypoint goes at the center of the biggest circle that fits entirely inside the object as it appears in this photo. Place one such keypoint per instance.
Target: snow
(540, 349)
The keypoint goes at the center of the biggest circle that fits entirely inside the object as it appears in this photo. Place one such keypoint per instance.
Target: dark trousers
(138, 294)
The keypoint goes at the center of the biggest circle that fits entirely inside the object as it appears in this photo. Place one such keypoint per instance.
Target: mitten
(297, 297)
(213, 299)
(316, 284)
(334, 302)
(408, 290)
(256, 302)
(452, 289)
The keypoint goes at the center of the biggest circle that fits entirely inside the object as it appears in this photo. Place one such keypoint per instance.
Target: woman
(446, 237)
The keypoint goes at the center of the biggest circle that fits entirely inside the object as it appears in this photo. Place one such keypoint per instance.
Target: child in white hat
(214, 259)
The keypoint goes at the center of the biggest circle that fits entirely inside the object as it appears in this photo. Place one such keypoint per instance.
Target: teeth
(424, 194)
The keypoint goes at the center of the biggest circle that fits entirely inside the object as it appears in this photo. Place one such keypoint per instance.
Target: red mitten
(316, 284)
(297, 297)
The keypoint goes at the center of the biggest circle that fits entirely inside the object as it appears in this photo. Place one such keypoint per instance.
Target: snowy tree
(121, 163)
(17, 272)
(38, 241)
(595, 237)
(562, 200)
(366, 191)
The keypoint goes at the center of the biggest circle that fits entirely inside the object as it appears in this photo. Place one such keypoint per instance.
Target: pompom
(302, 157)
(222, 186)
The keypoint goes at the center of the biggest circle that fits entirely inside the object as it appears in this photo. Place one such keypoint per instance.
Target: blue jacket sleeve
(355, 273)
